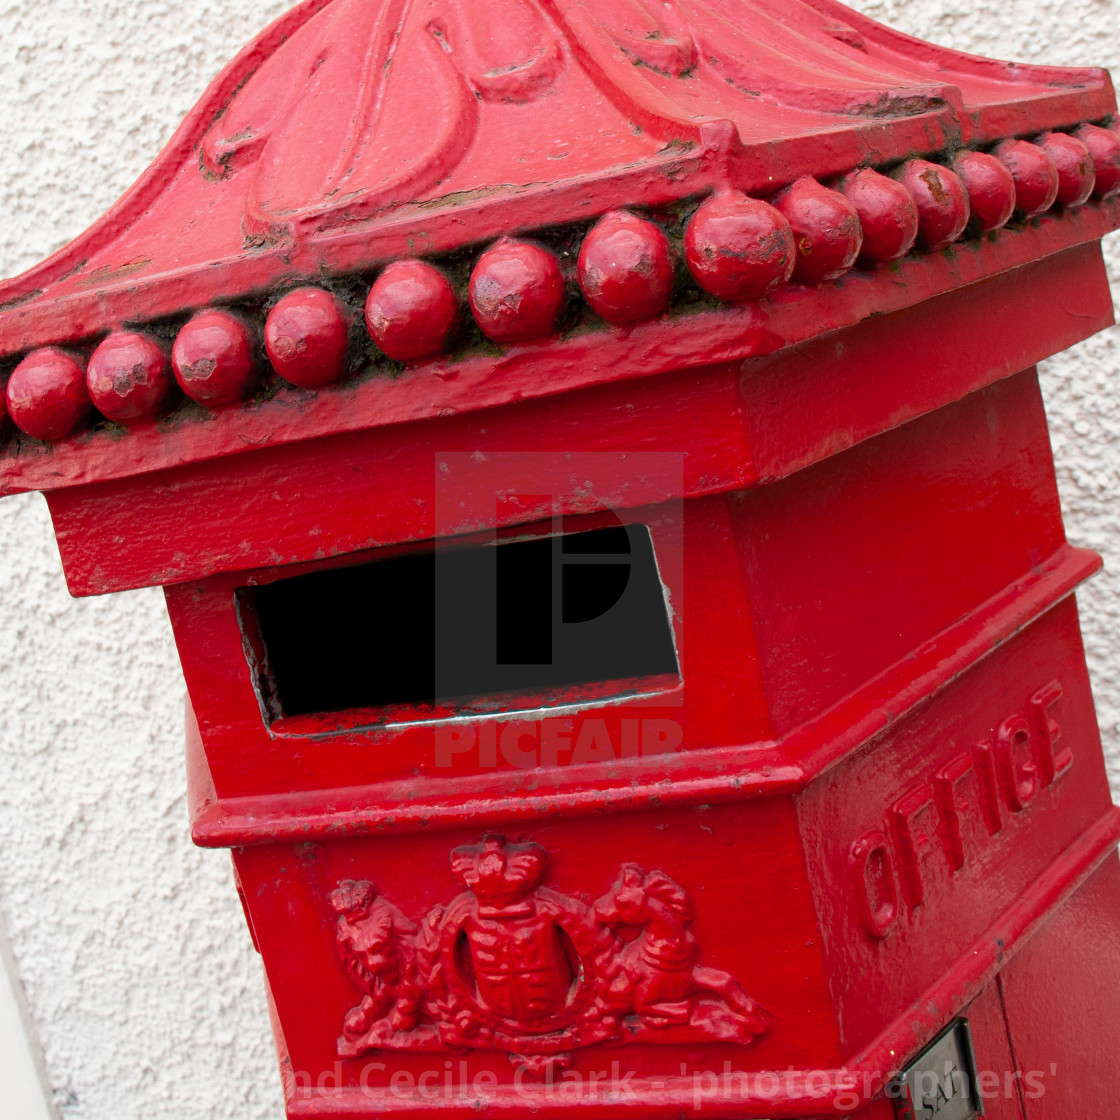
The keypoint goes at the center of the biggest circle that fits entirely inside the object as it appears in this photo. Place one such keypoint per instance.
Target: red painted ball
(625, 269)
(738, 248)
(826, 230)
(1104, 147)
(411, 311)
(213, 358)
(129, 378)
(1071, 157)
(516, 292)
(990, 187)
(307, 337)
(1036, 177)
(47, 395)
(887, 215)
(941, 200)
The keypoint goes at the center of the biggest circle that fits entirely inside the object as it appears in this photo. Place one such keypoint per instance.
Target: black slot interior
(455, 624)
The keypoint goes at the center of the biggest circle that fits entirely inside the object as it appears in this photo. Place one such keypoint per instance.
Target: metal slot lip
(699, 775)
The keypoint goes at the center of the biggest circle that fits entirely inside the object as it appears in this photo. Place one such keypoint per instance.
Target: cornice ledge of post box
(295, 170)
(714, 775)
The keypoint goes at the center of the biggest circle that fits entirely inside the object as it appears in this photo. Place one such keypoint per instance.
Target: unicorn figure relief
(657, 977)
(513, 965)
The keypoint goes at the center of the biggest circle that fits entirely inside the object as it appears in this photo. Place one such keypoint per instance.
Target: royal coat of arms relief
(512, 965)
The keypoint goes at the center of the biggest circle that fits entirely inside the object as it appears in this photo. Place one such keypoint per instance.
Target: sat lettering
(944, 1092)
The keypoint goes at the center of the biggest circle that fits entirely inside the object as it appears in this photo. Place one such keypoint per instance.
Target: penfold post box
(595, 461)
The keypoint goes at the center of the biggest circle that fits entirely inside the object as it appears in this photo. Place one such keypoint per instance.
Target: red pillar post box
(595, 461)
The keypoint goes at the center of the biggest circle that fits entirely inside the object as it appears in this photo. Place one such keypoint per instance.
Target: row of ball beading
(736, 247)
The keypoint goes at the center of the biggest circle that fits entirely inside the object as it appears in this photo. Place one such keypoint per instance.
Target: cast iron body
(759, 275)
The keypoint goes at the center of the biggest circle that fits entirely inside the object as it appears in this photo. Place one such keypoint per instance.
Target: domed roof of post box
(358, 134)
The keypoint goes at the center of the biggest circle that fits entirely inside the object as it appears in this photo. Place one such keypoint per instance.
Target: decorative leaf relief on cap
(649, 33)
(736, 47)
(373, 103)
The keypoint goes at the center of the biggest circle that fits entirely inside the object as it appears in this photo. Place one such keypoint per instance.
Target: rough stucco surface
(1079, 386)
(130, 946)
(130, 943)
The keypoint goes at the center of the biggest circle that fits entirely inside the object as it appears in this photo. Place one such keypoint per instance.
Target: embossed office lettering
(944, 820)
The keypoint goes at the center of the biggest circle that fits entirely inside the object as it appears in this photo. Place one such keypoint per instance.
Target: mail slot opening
(445, 626)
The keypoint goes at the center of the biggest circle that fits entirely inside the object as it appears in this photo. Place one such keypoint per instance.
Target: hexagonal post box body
(595, 461)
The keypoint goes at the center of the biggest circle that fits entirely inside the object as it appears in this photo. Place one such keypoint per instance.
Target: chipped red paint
(626, 268)
(871, 797)
(739, 248)
(307, 335)
(516, 292)
(826, 230)
(214, 358)
(47, 396)
(886, 212)
(411, 311)
(941, 200)
(129, 377)
(990, 187)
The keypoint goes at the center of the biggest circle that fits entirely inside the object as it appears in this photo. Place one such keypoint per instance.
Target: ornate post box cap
(386, 212)
(400, 246)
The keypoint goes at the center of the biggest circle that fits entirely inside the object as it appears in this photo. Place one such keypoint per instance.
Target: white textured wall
(129, 944)
(1082, 386)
